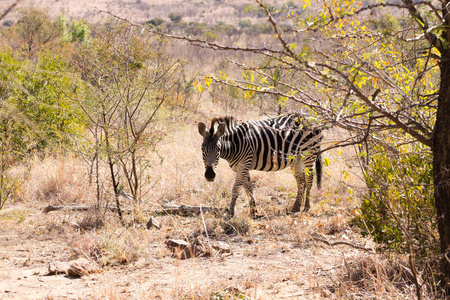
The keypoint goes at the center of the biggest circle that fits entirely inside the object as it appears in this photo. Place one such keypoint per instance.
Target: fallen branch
(173, 209)
(334, 243)
(50, 208)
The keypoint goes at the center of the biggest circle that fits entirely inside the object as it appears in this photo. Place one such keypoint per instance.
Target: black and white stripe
(267, 145)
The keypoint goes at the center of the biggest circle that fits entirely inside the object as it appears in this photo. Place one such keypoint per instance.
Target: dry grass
(278, 256)
(56, 180)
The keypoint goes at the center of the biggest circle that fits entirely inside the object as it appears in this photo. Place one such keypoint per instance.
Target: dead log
(50, 208)
(334, 243)
(173, 209)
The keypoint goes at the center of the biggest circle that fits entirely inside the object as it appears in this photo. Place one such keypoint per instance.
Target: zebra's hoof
(258, 217)
(227, 214)
(295, 210)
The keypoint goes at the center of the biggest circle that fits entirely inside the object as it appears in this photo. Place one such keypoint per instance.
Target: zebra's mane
(229, 121)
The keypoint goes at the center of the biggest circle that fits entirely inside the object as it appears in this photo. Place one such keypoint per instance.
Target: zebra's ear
(220, 130)
(202, 129)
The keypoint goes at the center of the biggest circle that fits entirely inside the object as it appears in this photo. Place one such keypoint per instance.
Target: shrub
(399, 209)
(175, 18)
(36, 94)
(245, 23)
(155, 22)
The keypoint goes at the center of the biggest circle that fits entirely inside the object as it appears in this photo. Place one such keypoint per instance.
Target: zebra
(267, 145)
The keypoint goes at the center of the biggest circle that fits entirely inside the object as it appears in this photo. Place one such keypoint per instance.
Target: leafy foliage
(77, 31)
(399, 209)
(38, 94)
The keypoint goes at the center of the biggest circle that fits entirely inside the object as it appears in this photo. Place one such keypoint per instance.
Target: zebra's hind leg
(299, 173)
(309, 181)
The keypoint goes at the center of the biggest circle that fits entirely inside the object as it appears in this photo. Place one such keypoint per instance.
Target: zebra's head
(211, 146)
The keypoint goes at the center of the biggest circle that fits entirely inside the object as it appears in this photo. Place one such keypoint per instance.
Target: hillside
(208, 11)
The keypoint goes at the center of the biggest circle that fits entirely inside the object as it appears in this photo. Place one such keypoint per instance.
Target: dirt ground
(273, 261)
(279, 256)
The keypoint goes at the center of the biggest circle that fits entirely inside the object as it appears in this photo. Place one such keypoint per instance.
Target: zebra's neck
(228, 144)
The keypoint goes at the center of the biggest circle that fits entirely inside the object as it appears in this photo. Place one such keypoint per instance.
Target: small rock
(177, 244)
(222, 247)
(57, 267)
(183, 250)
(189, 252)
(152, 222)
(83, 267)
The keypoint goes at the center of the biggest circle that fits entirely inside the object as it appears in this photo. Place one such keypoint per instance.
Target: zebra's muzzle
(210, 174)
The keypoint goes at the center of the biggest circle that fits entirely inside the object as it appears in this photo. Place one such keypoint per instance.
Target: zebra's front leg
(242, 179)
(234, 196)
(248, 186)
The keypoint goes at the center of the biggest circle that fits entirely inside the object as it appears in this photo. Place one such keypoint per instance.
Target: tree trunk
(441, 163)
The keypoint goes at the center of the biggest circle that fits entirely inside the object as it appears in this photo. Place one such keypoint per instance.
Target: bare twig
(8, 10)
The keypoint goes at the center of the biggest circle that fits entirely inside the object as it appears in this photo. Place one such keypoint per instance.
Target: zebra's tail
(319, 170)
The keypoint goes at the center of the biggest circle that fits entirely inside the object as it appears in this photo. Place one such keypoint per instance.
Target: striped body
(267, 145)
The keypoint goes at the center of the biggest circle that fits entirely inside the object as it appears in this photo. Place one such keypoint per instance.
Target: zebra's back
(272, 149)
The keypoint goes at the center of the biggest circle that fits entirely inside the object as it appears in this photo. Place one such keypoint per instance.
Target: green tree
(155, 22)
(130, 81)
(76, 31)
(35, 30)
(175, 18)
(389, 85)
(40, 93)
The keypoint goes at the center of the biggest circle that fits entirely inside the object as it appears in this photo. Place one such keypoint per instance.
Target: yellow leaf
(307, 172)
(345, 175)
(208, 81)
